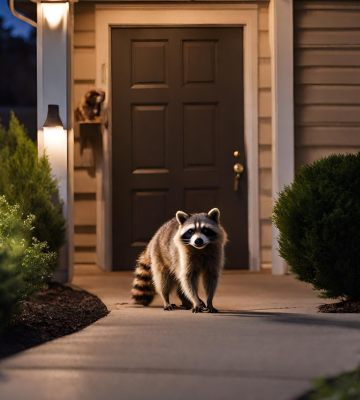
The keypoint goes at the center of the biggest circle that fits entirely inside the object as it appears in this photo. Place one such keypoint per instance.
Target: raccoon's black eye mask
(187, 235)
(212, 235)
(208, 232)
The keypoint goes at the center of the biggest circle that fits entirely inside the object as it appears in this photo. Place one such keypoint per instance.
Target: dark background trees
(18, 67)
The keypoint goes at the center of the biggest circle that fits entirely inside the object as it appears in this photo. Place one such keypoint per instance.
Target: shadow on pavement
(301, 319)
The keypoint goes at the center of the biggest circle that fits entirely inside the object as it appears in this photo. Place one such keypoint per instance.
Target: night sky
(20, 28)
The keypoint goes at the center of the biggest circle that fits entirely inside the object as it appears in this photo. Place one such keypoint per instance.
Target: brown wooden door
(177, 118)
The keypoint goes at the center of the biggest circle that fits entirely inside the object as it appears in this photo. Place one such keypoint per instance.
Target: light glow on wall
(54, 13)
(55, 147)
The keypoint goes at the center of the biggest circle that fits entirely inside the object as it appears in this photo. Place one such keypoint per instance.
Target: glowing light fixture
(53, 120)
(55, 144)
(54, 13)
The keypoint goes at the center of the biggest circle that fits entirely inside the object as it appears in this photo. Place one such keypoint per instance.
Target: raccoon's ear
(181, 217)
(89, 94)
(214, 214)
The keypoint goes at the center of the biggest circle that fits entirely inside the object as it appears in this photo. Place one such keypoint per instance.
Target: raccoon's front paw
(169, 307)
(202, 304)
(198, 309)
(211, 309)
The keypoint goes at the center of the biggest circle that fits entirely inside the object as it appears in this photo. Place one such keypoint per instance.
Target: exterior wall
(85, 185)
(265, 191)
(327, 78)
(84, 174)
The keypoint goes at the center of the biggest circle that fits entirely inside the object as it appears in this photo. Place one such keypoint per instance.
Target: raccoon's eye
(208, 232)
(187, 235)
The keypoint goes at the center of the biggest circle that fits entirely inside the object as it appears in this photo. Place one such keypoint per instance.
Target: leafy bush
(318, 217)
(343, 387)
(25, 263)
(10, 285)
(26, 180)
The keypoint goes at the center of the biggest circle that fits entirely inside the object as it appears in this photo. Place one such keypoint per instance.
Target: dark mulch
(57, 311)
(346, 306)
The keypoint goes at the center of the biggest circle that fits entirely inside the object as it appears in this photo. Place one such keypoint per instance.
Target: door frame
(179, 15)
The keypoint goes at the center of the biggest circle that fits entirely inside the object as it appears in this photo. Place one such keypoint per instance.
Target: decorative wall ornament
(90, 107)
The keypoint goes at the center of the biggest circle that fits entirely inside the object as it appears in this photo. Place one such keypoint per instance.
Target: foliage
(25, 263)
(318, 217)
(26, 180)
(343, 387)
(10, 285)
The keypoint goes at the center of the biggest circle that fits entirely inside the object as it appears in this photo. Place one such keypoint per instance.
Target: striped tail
(143, 290)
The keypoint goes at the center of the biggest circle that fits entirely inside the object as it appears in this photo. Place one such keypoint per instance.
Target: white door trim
(282, 83)
(244, 15)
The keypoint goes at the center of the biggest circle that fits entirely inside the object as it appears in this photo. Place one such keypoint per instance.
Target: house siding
(85, 185)
(265, 186)
(327, 78)
(84, 175)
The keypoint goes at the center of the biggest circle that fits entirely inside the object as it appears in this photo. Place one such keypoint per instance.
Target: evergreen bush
(345, 386)
(26, 180)
(318, 217)
(25, 262)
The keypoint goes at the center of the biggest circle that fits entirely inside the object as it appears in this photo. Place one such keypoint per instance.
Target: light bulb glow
(54, 13)
(55, 147)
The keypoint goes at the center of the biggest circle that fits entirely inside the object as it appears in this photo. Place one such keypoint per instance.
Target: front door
(177, 119)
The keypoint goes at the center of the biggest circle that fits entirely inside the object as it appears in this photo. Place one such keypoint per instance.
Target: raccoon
(89, 108)
(182, 250)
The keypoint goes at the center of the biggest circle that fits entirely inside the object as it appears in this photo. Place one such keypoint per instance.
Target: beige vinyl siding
(327, 78)
(264, 136)
(84, 174)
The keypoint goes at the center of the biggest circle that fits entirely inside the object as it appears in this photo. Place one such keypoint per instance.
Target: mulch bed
(346, 306)
(57, 311)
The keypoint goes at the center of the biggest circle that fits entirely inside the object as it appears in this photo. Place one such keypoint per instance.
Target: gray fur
(177, 263)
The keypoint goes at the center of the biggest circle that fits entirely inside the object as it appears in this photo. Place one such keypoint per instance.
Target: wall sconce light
(55, 143)
(53, 120)
(54, 10)
(54, 13)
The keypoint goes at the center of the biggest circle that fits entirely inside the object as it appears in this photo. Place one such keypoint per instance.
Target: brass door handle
(238, 169)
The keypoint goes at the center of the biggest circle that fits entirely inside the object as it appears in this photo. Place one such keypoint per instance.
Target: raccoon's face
(95, 97)
(198, 230)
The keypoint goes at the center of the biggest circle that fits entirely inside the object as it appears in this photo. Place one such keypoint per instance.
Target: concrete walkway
(267, 343)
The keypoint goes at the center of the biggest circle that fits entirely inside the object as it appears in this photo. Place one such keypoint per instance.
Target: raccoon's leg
(185, 302)
(210, 283)
(189, 284)
(167, 284)
(164, 283)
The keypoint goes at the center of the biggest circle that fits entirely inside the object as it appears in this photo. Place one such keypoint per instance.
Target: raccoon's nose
(199, 242)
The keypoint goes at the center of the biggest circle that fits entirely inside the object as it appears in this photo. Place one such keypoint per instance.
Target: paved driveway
(268, 343)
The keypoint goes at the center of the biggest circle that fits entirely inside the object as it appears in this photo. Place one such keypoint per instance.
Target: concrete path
(267, 343)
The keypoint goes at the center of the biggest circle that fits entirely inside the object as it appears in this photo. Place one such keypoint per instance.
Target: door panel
(199, 61)
(148, 133)
(177, 118)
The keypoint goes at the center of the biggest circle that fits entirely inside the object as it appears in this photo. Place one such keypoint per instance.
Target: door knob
(238, 169)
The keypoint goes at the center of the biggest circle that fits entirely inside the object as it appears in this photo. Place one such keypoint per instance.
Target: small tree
(26, 180)
(25, 263)
(318, 217)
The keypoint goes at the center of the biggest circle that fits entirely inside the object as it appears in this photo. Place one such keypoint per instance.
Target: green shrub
(25, 263)
(318, 217)
(26, 180)
(342, 387)
(10, 286)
